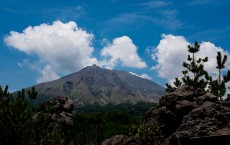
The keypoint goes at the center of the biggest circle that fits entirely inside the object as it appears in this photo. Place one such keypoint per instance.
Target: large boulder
(58, 110)
(174, 106)
(116, 140)
(190, 113)
(209, 119)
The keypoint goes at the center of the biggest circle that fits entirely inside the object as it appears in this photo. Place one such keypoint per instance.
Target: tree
(193, 66)
(220, 63)
(196, 66)
(20, 125)
(32, 94)
(218, 87)
(177, 83)
(201, 78)
(193, 50)
(4, 93)
(15, 118)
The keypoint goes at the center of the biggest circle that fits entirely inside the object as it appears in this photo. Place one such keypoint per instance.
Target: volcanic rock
(116, 140)
(58, 110)
(190, 113)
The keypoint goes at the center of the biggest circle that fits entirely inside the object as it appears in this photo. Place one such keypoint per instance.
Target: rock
(54, 116)
(57, 110)
(185, 106)
(172, 108)
(69, 105)
(183, 91)
(116, 140)
(207, 97)
(190, 113)
(67, 118)
(105, 142)
(208, 119)
(166, 119)
(181, 95)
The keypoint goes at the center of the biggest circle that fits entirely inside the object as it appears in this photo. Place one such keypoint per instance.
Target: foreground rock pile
(57, 110)
(189, 113)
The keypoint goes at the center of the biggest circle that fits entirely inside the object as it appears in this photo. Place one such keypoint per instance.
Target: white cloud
(172, 51)
(210, 50)
(150, 50)
(64, 46)
(47, 74)
(122, 50)
(145, 76)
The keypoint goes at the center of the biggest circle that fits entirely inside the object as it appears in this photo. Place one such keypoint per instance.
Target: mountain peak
(98, 85)
(94, 65)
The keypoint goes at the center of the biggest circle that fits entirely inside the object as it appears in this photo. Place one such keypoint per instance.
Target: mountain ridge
(93, 84)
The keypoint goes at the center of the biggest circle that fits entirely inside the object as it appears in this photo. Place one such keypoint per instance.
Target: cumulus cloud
(64, 46)
(210, 50)
(145, 76)
(122, 50)
(172, 51)
(47, 74)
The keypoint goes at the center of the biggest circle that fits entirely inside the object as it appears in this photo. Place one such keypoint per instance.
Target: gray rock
(57, 110)
(207, 97)
(172, 108)
(190, 113)
(68, 105)
(116, 140)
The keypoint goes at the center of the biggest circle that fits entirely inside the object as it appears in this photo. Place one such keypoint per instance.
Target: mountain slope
(96, 85)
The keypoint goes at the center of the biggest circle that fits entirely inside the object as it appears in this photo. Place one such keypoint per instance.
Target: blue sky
(43, 40)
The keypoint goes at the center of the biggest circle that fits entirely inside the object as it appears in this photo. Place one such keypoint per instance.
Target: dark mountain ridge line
(93, 84)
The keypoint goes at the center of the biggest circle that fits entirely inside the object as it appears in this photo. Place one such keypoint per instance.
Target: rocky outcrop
(54, 118)
(173, 107)
(57, 110)
(209, 119)
(116, 140)
(190, 113)
(187, 113)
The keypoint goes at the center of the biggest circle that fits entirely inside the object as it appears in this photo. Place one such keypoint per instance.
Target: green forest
(92, 123)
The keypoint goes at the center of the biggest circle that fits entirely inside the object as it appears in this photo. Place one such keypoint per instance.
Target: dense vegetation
(92, 123)
(135, 110)
(19, 127)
